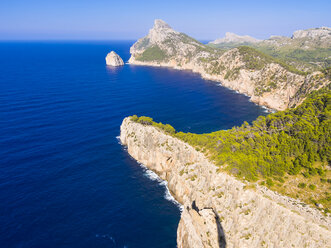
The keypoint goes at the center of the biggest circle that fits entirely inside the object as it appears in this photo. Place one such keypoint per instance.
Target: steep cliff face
(218, 208)
(245, 70)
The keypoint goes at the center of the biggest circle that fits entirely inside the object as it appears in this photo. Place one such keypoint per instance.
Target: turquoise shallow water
(65, 180)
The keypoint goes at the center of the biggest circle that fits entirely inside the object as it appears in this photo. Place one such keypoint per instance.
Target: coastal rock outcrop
(243, 69)
(113, 59)
(218, 209)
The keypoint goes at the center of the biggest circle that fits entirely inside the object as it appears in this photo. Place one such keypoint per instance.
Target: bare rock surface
(217, 208)
(113, 59)
(234, 38)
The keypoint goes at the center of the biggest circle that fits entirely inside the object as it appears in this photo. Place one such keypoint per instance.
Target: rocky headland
(219, 210)
(266, 80)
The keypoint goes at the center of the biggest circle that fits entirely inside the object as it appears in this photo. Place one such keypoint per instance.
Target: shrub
(134, 118)
(153, 53)
(168, 128)
(312, 186)
(323, 180)
(145, 120)
(269, 182)
(302, 185)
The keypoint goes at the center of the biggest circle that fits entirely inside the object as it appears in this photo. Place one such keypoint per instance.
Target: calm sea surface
(65, 181)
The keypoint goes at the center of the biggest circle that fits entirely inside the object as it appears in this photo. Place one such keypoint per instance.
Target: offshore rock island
(267, 80)
(113, 59)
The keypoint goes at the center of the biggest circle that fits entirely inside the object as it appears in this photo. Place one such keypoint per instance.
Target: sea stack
(113, 59)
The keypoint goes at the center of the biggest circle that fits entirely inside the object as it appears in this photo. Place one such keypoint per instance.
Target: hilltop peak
(234, 38)
(160, 24)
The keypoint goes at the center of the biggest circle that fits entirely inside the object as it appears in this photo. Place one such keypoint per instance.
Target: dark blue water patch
(65, 180)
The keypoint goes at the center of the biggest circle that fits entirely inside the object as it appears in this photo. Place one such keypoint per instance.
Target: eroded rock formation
(113, 59)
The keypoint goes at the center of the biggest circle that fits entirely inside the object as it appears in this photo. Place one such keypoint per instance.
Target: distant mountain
(266, 80)
(232, 39)
(308, 49)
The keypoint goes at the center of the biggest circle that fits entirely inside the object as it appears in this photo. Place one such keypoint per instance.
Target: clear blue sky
(131, 19)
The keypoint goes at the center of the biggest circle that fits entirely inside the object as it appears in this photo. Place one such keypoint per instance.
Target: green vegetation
(256, 60)
(287, 142)
(285, 146)
(149, 121)
(311, 58)
(228, 45)
(302, 185)
(312, 186)
(327, 73)
(270, 182)
(153, 53)
(314, 58)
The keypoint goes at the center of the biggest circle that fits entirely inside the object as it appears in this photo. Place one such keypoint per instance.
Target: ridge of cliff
(218, 209)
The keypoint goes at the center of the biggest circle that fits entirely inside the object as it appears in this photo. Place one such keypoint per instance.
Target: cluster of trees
(286, 142)
(314, 58)
(290, 142)
(255, 59)
(149, 121)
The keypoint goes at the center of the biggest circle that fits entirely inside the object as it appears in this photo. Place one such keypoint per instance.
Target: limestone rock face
(270, 84)
(113, 59)
(217, 208)
(234, 38)
(323, 32)
(302, 39)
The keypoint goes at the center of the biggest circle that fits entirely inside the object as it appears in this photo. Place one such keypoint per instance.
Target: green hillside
(288, 151)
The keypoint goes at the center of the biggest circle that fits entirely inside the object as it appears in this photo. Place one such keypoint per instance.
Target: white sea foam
(168, 196)
(154, 177)
(265, 109)
(106, 236)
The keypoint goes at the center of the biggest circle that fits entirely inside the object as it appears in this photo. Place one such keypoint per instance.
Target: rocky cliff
(244, 69)
(113, 59)
(218, 209)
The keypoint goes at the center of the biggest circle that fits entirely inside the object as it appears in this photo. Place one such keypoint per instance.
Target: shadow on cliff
(220, 230)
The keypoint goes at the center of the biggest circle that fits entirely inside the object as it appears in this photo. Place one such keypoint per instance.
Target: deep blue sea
(65, 181)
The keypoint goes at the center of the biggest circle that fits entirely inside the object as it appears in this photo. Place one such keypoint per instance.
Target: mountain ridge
(266, 80)
(234, 38)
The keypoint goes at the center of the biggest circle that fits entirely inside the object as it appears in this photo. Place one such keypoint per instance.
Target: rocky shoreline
(218, 209)
(268, 83)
